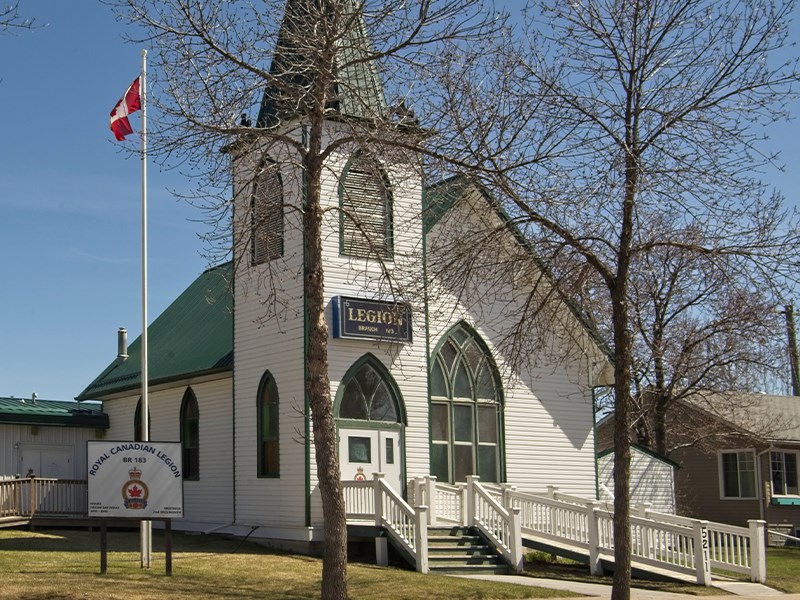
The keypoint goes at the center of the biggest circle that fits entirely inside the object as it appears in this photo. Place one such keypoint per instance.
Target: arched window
(366, 209)
(268, 433)
(138, 431)
(190, 435)
(367, 395)
(267, 215)
(465, 410)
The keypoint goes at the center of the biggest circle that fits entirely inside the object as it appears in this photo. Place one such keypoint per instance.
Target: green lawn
(783, 573)
(65, 565)
(540, 564)
(783, 569)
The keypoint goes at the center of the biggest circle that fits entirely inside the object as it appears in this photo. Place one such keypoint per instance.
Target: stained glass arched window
(190, 435)
(268, 431)
(466, 419)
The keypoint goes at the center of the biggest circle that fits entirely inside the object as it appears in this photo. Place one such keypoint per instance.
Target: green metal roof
(26, 411)
(193, 336)
(357, 90)
(440, 198)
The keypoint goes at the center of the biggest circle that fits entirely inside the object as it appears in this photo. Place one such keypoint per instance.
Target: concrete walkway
(744, 590)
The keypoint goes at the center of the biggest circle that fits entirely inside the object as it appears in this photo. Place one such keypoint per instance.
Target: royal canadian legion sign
(371, 319)
(139, 480)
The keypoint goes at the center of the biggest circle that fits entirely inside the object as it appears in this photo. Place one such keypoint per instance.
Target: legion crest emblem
(360, 474)
(135, 491)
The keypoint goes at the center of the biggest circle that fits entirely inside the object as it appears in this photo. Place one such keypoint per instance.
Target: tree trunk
(621, 588)
(334, 561)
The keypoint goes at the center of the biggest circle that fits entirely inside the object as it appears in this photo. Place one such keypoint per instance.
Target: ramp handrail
(731, 548)
(658, 539)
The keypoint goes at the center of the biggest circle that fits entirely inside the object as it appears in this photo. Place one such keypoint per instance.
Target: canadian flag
(129, 103)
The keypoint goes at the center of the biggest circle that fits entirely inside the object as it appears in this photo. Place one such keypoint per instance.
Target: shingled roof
(193, 336)
(356, 90)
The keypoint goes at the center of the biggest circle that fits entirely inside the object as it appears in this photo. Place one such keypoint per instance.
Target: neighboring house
(421, 389)
(47, 438)
(752, 473)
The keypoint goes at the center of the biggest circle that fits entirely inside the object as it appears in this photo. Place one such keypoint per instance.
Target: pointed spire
(356, 91)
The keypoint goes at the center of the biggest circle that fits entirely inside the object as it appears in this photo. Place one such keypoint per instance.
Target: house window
(783, 466)
(190, 436)
(465, 410)
(268, 433)
(267, 215)
(738, 470)
(366, 210)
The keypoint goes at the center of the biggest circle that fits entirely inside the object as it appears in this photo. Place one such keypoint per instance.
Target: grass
(541, 564)
(783, 573)
(65, 565)
(783, 569)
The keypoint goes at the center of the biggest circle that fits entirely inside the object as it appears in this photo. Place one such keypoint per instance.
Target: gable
(450, 204)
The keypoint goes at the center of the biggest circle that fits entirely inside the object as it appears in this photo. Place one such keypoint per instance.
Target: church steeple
(356, 90)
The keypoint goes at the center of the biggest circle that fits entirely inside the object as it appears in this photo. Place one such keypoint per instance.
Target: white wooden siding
(652, 480)
(276, 344)
(209, 500)
(349, 276)
(548, 412)
(269, 336)
(68, 439)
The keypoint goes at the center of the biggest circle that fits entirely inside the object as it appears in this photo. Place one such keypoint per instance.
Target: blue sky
(70, 203)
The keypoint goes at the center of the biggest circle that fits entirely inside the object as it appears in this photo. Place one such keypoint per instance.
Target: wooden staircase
(461, 550)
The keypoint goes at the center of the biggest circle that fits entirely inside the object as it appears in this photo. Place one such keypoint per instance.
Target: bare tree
(314, 68)
(594, 118)
(11, 20)
(699, 325)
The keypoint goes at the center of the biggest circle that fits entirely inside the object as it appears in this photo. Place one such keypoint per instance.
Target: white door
(46, 461)
(363, 452)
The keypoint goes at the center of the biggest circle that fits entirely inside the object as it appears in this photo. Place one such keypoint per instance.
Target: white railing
(785, 536)
(11, 497)
(499, 525)
(504, 515)
(674, 547)
(730, 548)
(359, 500)
(407, 526)
(445, 502)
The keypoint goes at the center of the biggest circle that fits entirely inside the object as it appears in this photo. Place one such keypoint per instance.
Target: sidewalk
(743, 590)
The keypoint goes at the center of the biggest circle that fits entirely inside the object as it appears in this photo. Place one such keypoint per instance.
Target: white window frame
(721, 473)
(797, 466)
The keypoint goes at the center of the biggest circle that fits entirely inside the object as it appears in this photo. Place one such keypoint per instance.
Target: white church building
(422, 383)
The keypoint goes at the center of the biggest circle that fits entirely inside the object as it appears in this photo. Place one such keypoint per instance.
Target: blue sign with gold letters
(371, 319)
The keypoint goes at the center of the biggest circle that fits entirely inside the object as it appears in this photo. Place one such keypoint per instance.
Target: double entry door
(363, 452)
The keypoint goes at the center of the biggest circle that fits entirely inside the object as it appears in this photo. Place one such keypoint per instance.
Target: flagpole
(146, 530)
